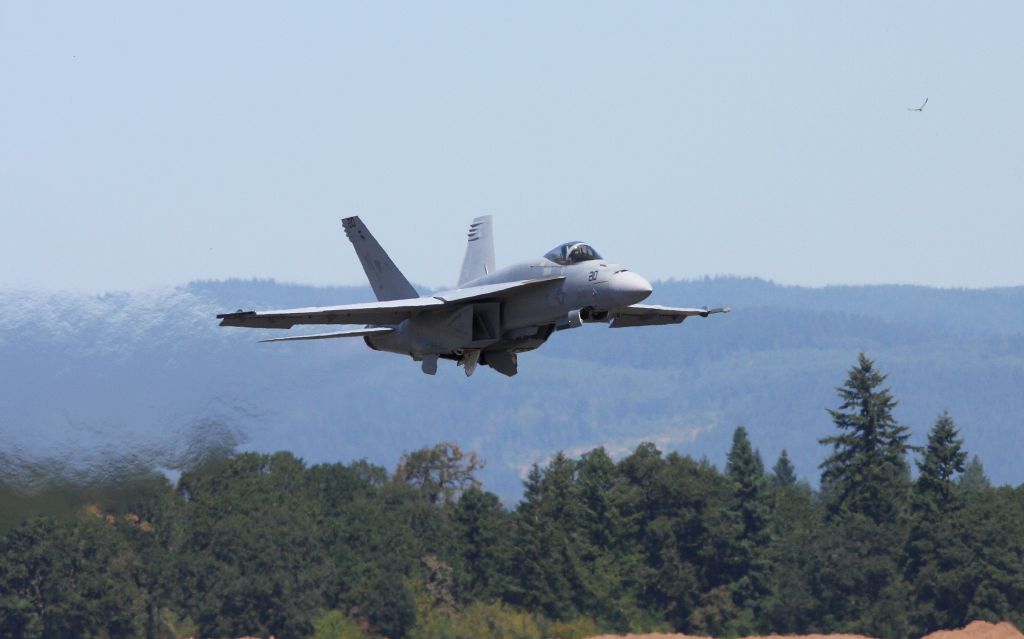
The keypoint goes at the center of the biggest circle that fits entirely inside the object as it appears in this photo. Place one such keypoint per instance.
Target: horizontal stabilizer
(354, 333)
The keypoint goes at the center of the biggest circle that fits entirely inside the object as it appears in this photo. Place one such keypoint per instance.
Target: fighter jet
(491, 316)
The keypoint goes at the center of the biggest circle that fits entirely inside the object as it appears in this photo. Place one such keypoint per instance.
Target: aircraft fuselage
(523, 320)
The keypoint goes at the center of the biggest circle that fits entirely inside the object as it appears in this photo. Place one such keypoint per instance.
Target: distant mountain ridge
(148, 377)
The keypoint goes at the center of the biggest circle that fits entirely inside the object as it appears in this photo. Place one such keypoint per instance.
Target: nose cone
(627, 287)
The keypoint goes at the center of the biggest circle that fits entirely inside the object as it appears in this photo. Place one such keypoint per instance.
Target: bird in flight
(920, 108)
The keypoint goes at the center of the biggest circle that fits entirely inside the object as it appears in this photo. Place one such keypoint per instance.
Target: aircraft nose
(628, 288)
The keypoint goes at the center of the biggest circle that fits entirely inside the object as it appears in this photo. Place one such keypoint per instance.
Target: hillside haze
(93, 384)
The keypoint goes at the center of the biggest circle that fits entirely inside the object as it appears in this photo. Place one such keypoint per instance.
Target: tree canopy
(256, 544)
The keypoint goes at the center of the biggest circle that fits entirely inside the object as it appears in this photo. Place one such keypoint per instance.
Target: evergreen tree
(867, 471)
(606, 556)
(792, 604)
(751, 506)
(991, 585)
(542, 568)
(783, 473)
(598, 478)
(943, 459)
(260, 544)
(856, 578)
(481, 525)
(746, 471)
(242, 567)
(935, 550)
(867, 483)
(974, 480)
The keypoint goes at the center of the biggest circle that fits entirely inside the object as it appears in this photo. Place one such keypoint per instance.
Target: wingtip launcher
(235, 319)
(720, 309)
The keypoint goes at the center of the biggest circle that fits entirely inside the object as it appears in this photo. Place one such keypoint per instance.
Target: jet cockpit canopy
(572, 253)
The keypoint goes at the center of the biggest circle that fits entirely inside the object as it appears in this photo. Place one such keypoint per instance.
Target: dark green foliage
(686, 535)
(606, 554)
(867, 472)
(482, 537)
(262, 544)
(70, 580)
(943, 458)
(751, 508)
(442, 473)
(241, 577)
(783, 473)
(974, 480)
(936, 551)
(792, 604)
(857, 577)
(543, 569)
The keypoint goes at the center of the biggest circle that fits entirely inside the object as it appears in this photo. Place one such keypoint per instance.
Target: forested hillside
(266, 544)
(96, 384)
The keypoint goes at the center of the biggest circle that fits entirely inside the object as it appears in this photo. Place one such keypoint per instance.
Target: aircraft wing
(390, 312)
(494, 290)
(652, 315)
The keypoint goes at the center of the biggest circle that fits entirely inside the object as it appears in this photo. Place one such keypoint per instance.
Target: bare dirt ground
(980, 630)
(658, 635)
(975, 630)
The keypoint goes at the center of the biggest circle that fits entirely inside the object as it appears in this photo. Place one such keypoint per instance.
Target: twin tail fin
(386, 280)
(479, 259)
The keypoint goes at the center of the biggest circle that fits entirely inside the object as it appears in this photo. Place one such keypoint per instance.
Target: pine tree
(746, 470)
(783, 473)
(542, 568)
(974, 479)
(597, 478)
(943, 458)
(867, 472)
(934, 553)
(606, 559)
(751, 503)
(481, 528)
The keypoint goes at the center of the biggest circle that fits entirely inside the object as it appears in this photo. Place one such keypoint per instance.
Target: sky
(151, 144)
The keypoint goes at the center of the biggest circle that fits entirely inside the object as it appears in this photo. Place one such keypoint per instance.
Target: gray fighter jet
(491, 316)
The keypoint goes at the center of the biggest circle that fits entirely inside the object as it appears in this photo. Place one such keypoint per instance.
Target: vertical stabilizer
(479, 260)
(387, 281)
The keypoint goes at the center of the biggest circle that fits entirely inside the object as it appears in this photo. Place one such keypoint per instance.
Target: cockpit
(572, 253)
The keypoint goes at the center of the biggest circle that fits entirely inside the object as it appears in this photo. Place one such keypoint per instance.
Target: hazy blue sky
(148, 144)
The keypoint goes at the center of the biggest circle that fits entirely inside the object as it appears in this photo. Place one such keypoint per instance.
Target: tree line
(897, 541)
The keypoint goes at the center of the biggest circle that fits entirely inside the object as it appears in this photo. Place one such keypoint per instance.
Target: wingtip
(238, 313)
